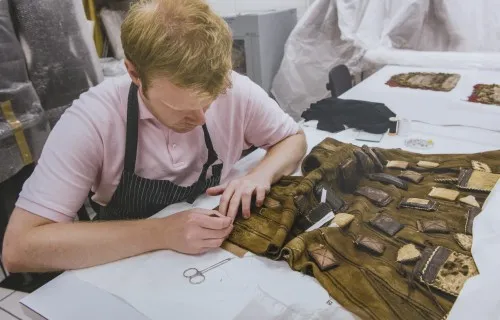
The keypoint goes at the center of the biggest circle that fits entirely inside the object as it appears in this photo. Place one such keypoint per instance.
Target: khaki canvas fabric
(357, 264)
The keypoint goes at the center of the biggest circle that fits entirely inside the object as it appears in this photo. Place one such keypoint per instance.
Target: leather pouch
(417, 168)
(463, 240)
(419, 204)
(302, 204)
(379, 167)
(370, 244)
(445, 270)
(332, 199)
(408, 253)
(342, 219)
(349, 175)
(427, 164)
(305, 221)
(469, 221)
(376, 196)
(380, 156)
(473, 180)
(444, 194)
(480, 166)
(365, 163)
(471, 201)
(386, 224)
(411, 176)
(432, 226)
(388, 179)
(396, 164)
(324, 258)
(319, 212)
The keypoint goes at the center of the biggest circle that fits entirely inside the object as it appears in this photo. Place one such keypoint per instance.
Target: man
(167, 132)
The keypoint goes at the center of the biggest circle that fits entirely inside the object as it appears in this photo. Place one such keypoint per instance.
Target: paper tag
(321, 222)
(323, 195)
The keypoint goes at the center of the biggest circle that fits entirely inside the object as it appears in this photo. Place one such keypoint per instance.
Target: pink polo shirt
(85, 150)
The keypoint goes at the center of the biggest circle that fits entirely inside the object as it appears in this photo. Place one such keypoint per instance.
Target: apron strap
(212, 157)
(132, 129)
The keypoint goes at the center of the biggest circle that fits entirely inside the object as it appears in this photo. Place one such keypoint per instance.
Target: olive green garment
(373, 284)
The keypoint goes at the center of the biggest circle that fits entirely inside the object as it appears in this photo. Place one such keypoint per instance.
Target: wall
(225, 7)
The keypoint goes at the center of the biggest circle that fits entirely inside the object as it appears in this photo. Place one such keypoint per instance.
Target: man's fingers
(221, 234)
(234, 204)
(246, 199)
(217, 190)
(215, 222)
(226, 198)
(260, 196)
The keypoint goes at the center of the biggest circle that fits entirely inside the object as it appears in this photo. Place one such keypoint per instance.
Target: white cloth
(365, 35)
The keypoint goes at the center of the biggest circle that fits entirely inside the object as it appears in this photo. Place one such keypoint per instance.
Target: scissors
(196, 276)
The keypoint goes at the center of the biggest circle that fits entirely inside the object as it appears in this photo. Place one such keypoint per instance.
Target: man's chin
(184, 129)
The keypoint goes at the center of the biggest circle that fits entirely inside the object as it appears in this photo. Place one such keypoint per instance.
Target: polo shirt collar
(144, 112)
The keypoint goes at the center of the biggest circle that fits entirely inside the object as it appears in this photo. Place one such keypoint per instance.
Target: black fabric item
(334, 113)
(137, 197)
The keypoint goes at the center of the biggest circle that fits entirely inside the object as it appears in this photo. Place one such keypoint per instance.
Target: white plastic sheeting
(16, 87)
(60, 54)
(365, 34)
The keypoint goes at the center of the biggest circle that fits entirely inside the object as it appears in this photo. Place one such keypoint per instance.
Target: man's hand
(281, 159)
(241, 191)
(197, 231)
(36, 244)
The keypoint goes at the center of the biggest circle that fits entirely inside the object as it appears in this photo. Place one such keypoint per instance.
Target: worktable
(69, 297)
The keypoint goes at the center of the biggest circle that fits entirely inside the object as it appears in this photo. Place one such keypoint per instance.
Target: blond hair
(182, 40)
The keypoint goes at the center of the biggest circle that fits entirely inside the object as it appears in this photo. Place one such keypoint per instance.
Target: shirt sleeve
(68, 166)
(265, 122)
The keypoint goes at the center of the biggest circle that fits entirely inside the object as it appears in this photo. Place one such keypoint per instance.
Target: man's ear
(133, 72)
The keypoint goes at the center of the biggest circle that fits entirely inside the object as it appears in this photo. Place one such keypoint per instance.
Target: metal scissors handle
(196, 276)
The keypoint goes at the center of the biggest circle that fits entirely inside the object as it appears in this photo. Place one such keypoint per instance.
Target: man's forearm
(282, 159)
(65, 246)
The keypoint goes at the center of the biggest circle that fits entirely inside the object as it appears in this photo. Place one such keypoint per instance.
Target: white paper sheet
(154, 285)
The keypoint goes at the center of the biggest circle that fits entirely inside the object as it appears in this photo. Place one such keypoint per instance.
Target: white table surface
(68, 297)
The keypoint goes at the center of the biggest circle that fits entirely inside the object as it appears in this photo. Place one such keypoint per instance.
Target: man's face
(179, 109)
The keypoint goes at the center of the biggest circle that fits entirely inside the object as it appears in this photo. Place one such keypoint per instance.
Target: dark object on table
(334, 113)
(340, 80)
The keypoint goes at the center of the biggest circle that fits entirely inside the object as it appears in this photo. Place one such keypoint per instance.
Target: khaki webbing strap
(17, 128)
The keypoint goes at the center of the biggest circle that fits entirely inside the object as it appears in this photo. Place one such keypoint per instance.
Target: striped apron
(136, 197)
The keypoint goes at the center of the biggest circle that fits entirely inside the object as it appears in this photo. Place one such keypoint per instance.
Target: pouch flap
(387, 224)
(388, 179)
(323, 257)
(378, 197)
(446, 270)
